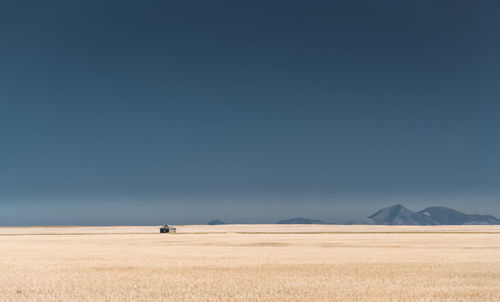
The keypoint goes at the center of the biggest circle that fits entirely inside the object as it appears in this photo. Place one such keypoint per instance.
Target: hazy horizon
(127, 113)
(71, 215)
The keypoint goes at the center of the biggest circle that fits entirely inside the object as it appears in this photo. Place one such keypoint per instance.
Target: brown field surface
(251, 263)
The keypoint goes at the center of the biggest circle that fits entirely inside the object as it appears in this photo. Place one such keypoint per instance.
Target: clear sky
(151, 112)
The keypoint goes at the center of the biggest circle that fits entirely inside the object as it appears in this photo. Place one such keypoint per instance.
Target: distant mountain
(300, 220)
(399, 215)
(447, 216)
(216, 222)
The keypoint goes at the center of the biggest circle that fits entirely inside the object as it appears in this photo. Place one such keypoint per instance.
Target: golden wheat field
(251, 263)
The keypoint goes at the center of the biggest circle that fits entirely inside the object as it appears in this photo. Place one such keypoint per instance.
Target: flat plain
(251, 263)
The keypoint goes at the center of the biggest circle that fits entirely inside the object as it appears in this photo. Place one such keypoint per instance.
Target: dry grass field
(251, 263)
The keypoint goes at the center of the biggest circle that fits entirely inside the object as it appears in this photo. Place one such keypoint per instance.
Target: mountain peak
(399, 215)
(389, 211)
(448, 216)
(216, 222)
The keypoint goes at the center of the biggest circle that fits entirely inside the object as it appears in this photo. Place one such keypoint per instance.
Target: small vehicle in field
(167, 229)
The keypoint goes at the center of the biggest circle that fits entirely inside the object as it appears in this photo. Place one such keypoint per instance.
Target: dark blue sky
(150, 112)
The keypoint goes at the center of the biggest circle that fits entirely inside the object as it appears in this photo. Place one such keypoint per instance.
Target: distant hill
(300, 220)
(399, 215)
(448, 216)
(216, 222)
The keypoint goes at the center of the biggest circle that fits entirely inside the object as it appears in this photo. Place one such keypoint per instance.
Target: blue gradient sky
(151, 112)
